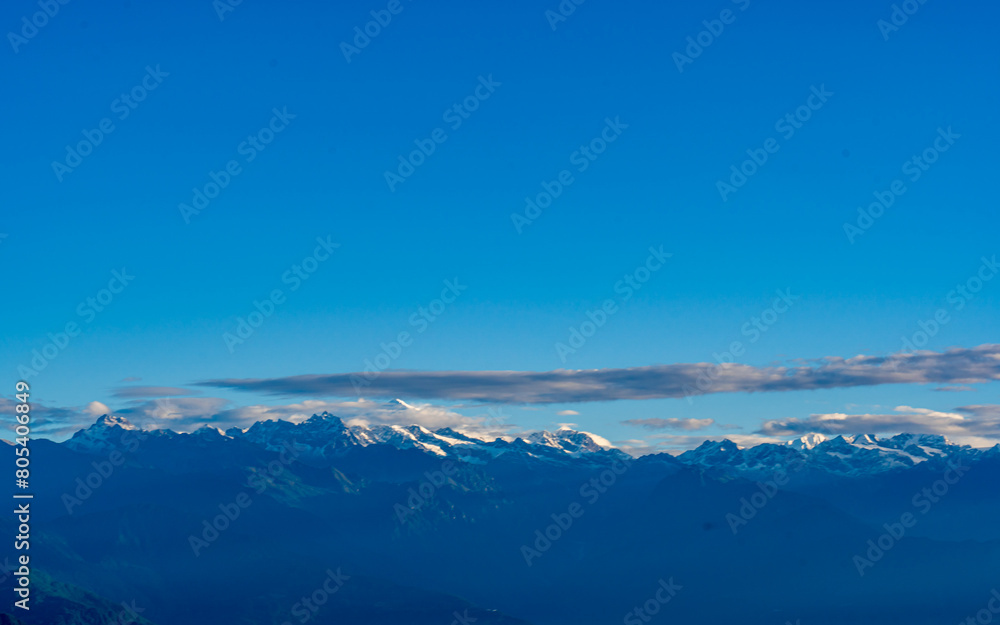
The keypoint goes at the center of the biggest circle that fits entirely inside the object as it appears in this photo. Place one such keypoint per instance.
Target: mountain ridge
(324, 436)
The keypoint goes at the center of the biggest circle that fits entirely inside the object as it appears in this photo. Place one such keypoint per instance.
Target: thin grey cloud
(133, 392)
(982, 411)
(954, 389)
(688, 425)
(955, 366)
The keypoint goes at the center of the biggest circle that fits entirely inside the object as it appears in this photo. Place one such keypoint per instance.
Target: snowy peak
(933, 441)
(808, 441)
(568, 441)
(399, 404)
(209, 432)
(111, 421)
(854, 455)
(319, 435)
(711, 453)
(107, 433)
(324, 422)
(325, 436)
(450, 433)
(864, 439)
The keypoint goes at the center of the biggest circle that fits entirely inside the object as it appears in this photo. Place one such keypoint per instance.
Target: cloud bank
(978, 426)
(956, 366)
(186, 414)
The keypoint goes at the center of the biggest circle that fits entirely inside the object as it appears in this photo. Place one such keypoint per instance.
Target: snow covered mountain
(325, 437)
(110, 432)
(462, 513)
(861, 454)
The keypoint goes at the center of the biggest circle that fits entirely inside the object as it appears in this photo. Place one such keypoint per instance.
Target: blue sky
(552, 91)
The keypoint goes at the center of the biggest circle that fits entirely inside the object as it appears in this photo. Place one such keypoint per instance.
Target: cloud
(131, 379)
(46, 421)
(978, 426)
(181, 414)
(953, 389)
(368, 412)
(567, 413)
(671, 424)
(987, 411)
(186, 414)
(958, 366)
(128, 392)
(96, 409)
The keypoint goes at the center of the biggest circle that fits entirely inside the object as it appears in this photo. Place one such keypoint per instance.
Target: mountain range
(422, 526)
(325, 437)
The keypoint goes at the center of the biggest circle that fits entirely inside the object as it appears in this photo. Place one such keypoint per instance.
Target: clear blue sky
(656, 184)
